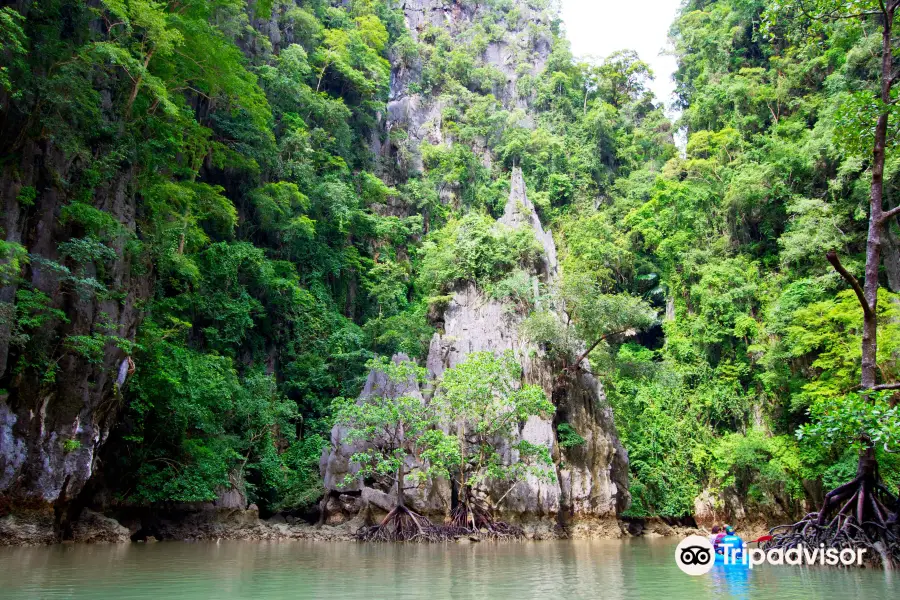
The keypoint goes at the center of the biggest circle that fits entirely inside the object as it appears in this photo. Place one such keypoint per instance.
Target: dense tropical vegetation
(280, 254)
(761, 334)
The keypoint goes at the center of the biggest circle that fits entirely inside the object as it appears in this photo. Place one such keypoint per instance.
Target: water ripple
(565, 569)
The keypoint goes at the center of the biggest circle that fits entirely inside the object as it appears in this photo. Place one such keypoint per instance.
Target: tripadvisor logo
(695, 555)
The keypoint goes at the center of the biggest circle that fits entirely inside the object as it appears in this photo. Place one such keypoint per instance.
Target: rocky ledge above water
(37, 529)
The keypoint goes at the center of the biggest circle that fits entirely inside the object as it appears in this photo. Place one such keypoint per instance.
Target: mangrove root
(471, 519)
(861, 514)
(403, 525)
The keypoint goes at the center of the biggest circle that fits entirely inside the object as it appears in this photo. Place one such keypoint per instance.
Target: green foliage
(730, 241)
(386, 283)
(296, 481)
(393, 429)
(659, 426)
(831, 330)
(407, 332)
(484, 396)
(13, 256)
(27, 195)
(253, 216)
(855, 421)
(34, 309)
(568, 437)
(759, 466)
(93, 347)
(517, 289)
(591, 318)
(12, 45)
(594, 247)
(623, 78)
(280, 261)
(86, 250)
(474, 249)
(278, 207)
(197, 425)
(71, 445)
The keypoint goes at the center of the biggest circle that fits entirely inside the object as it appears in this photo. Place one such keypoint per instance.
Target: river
(639, 568)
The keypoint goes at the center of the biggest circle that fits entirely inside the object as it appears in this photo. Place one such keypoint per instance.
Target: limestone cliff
(55, 416)
(522, 49)
(592, 477)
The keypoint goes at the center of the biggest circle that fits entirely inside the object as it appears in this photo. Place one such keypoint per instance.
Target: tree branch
(895, 76)
(836, 15)
(503, 497)
(584, 354)
(886, 386)
(889, 214)
(832, 257)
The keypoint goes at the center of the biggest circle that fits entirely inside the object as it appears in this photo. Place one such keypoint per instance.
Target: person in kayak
(715, 535)
(731, 543)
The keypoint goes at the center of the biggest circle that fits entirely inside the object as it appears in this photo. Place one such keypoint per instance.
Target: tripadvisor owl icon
(695, 555)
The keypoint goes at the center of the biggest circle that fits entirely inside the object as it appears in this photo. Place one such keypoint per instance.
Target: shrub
(475, 249)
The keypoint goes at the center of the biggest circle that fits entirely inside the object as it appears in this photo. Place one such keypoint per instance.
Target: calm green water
(577, 569)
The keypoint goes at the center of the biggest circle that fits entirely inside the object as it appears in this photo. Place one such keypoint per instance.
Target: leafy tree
(474, 249)
(12, 44)
(863, 491)
(623, 78)
(589, 318)
(395, 432)
(483, 397)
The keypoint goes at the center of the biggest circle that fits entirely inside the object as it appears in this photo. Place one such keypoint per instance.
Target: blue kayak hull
(720, 562)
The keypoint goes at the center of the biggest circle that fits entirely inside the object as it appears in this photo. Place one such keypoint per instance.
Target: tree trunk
(401, 503)
(876, 223)
(892, 257)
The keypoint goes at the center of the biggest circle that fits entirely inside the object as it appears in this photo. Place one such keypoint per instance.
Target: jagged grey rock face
(591, 477)
(519, 212)
(335, 465)
(51, 429)
(420, 116)
(505, 53)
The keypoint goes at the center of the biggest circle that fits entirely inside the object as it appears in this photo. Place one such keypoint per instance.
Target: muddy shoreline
(38, 528)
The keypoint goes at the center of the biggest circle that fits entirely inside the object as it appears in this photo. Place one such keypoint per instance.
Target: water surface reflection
(627, 569)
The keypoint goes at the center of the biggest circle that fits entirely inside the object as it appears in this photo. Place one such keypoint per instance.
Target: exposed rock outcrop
(36, 528)
(726, 505)
(28, 528)
(522, 44)
(591, 486)
(94, 528)
(346, 499)
(57, 407)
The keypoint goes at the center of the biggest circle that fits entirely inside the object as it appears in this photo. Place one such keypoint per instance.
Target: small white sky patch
(600, 27)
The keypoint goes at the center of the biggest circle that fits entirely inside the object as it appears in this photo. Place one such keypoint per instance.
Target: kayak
(736, 562)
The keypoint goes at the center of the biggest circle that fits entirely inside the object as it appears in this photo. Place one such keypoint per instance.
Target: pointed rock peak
(520, 211)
